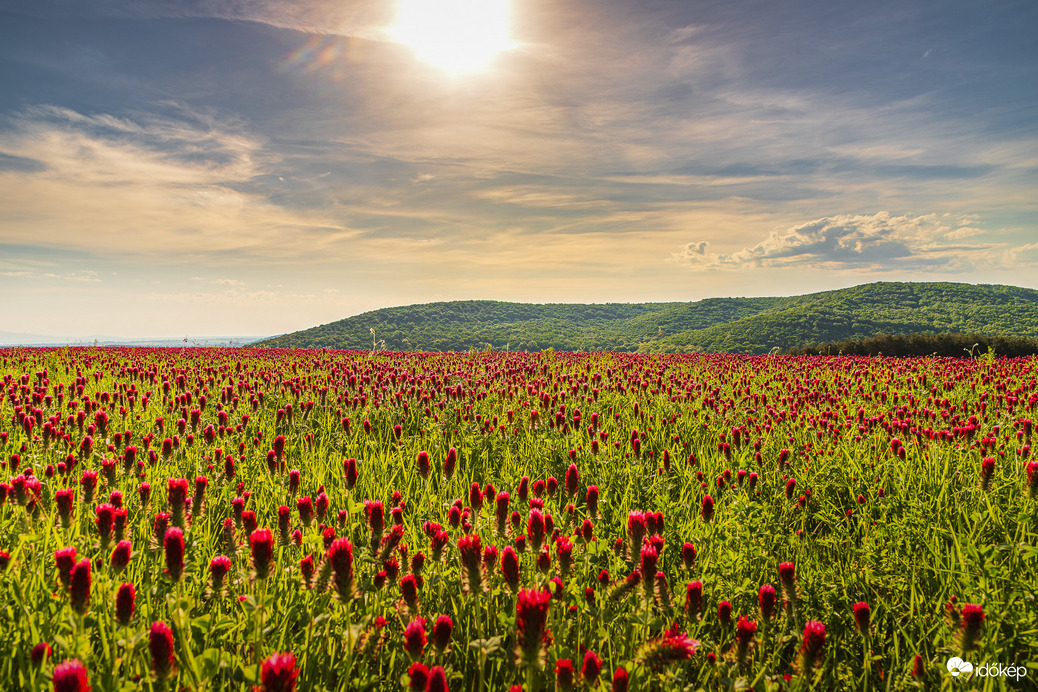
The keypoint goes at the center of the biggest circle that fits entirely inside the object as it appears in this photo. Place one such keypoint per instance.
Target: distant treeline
(953, 345)
(734, 325)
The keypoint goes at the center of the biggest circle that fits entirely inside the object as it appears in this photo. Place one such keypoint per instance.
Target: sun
(454, 35)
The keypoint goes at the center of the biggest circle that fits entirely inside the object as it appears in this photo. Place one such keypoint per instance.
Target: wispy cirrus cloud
(144, 186)
(366, 18)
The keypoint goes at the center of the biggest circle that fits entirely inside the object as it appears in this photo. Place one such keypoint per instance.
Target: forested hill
(741, 325)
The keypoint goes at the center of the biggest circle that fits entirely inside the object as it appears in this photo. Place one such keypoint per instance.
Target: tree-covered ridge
(742, 325)
(869, 310)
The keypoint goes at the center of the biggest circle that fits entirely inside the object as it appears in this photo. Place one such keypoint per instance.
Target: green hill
(742, 325)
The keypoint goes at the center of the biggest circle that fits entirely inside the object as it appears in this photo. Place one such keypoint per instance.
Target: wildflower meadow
(239, 519)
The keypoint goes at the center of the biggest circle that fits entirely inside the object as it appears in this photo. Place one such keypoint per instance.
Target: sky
(189, 167)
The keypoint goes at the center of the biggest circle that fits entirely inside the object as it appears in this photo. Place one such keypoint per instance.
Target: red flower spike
(352, 471)
(693, 599)
(219, 566)
(620, 680)
(418, 674)
(564, 674)
(471, 555)
(160, 645)
(176, 495)
(79, 586)
(572, 480)
(442, 630)
(104, 519)
(862, 615)
(261, 542)
(415, 638)
(305, 508)
(591, 668)
(972, 623)
(65, 559)
(321, 505)
(199, 497)
(340, 556)
(564, 553)
(535, 528)
(591, 500)
(438, 543)
(64, 499)
(489, 558)
(724, 613)
(450, 463)
(409, 590)
(688, 555)
(766, 598)
(813, 646)
(173, 549)
(437, 680)
(787, 577)
(121, 555)
(70, 676)
(531, 633)
(637, 526)
(510, 567)
(745, 630)
(544, 561)
(306, 570)
(40, 653)
(501, 511)
(278, 673)
(124, 603)
(708, 508)
(284, 524)
(987, 471)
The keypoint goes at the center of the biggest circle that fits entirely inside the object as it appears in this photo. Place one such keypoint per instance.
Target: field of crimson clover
(277, 520)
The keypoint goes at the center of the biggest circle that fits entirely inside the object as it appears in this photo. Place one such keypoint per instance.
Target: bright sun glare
(454, 35)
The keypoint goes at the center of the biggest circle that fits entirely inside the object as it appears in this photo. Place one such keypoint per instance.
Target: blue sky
(256, 167)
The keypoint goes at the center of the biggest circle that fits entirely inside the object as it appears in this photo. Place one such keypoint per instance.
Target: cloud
(879, 242)
(85, 276)
(148, 186)
(1023, 255)
(219, 282)
(366, 18)
(20, 163)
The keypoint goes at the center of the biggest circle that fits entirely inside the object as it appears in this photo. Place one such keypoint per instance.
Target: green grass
(934, 535)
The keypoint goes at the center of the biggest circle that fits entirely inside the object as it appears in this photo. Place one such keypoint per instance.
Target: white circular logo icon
(957, 666)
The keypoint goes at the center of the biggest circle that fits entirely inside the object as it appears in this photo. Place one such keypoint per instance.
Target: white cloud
(879, 242)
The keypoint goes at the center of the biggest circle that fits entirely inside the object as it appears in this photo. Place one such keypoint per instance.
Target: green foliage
(909, 533)
(944, 345)
(738, 325)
